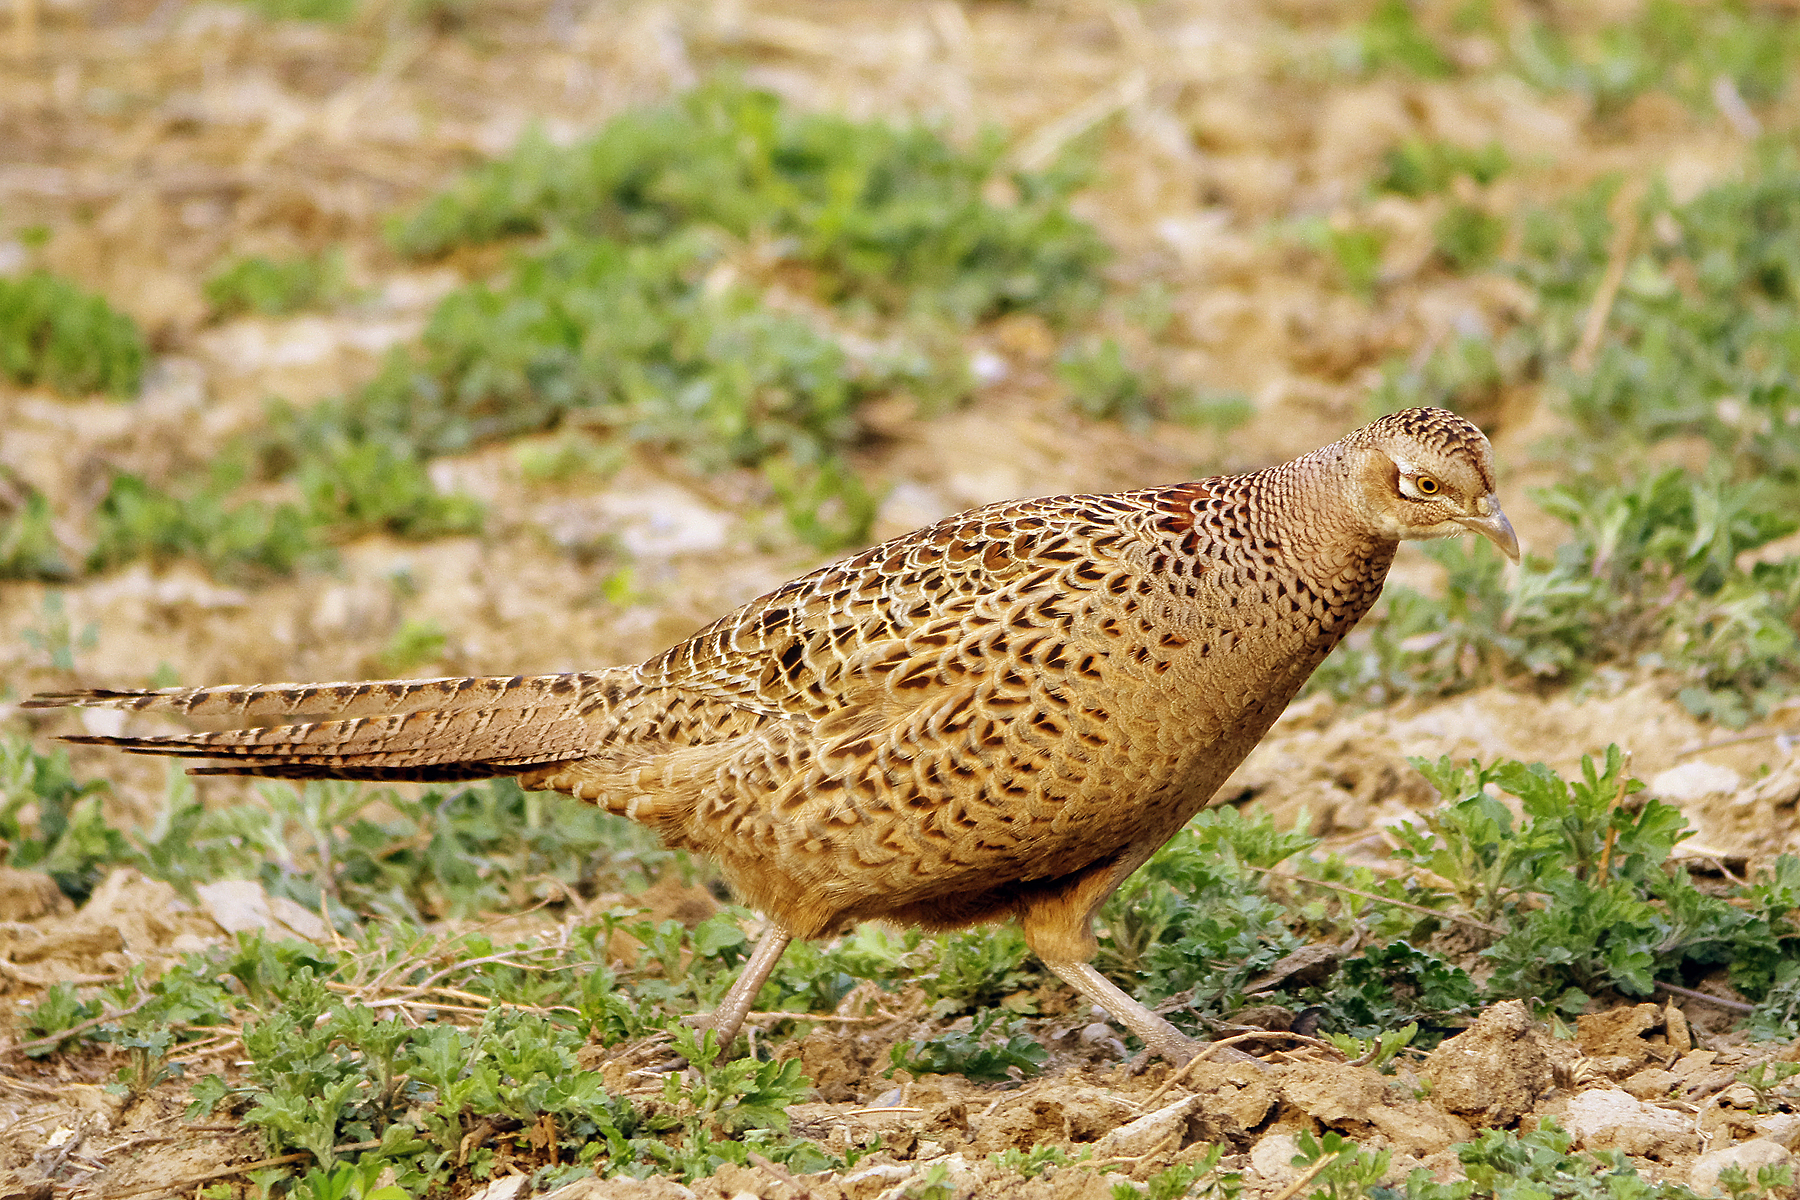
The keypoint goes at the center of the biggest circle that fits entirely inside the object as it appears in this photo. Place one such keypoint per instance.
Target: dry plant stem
(1207, 1049)
(280, 1160)
(782, 1173)
(1691, 994)
(1618, 257)
(1379, 899)
(1703, 747)
(1044, 145)
(72, 1030)
(828, 1018)
(1161, 1037)
(1299, 1185)
(729, 1016)
(1612, 831)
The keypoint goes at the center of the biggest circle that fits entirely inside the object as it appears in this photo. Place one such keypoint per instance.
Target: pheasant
(1000, 715)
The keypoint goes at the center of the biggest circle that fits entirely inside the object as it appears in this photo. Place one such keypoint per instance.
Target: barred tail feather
(360, 699)
(431, 730)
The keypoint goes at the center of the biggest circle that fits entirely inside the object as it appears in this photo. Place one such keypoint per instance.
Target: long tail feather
(371, 698)
(429, 730)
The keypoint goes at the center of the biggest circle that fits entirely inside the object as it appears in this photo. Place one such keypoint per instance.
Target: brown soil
(152, 138)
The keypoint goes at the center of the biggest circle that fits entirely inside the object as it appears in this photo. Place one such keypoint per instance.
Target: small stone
(1693, 781)
(1694, 1060)
(1610, 1119)
(1781, 1128)
(1273, 1157)
(1494, 1071)
(1749, 1156)
(502, 1189)
(1738, 1095)
(1675, 1024)
(1652, 1082)
(1151, 1130)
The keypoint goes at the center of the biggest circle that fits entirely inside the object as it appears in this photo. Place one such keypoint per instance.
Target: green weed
(1395, 986)
(29, 548)
(55, 637)
(1354, 251)
(275, 288)
(236, 540)
(1392, 38)
(53, 333)
(52, 823)
(894, 217)
(1419, 168)
(1509, 1165)
(329, 12)
(1031, 1163)
(415, 643)
(1199, 1178)
(978, 968)
(982, 1052)
(1193, 920)
(1468, 237)
(1667, 46)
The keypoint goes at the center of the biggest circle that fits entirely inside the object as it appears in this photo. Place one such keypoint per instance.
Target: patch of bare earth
(153, 138)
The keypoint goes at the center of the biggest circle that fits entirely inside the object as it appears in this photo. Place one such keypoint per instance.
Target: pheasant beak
(1493, 525)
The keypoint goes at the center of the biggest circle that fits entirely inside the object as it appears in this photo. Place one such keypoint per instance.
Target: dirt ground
(154, 136)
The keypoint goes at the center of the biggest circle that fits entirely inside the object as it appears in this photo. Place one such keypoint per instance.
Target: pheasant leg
(1157, 1034)
(728, 1018)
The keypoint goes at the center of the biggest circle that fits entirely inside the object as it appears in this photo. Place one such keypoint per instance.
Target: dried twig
(280, 1160)
(1299, 1185)
(1042, 147)
(1618, 257)
(1380, 899)
(1224, 1043)
(1691, 994)
(1703, 747)
(1612, 830)
(72, 1030)
(783, 1174)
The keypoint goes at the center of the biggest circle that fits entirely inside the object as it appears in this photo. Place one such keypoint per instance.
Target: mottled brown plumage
(1001, 715)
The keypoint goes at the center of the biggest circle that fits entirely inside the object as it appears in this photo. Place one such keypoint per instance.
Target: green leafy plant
(1669, 46)
(1468, 237)
(976, 969)
(1379, 1051)
(1199, 1178)
(29, 548)
(241, 540)
(1033, 1162)
(1391, 37)
(275, 287)
(1193, 920)
(1517, 1165)
(1420, 168)
(988, 1051)
(329, 12)
(55, 334)
(892, 216)
(1345, 1171)
(1395, 986)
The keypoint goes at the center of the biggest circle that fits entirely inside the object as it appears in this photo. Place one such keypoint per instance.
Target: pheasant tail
(429, 730)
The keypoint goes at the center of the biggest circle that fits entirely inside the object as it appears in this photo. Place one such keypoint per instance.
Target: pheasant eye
(1427, 486)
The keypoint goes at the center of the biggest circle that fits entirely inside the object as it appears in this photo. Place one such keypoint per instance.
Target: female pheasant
(1001, 715)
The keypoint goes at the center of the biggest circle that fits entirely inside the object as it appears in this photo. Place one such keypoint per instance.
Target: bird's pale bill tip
(1494, 526)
